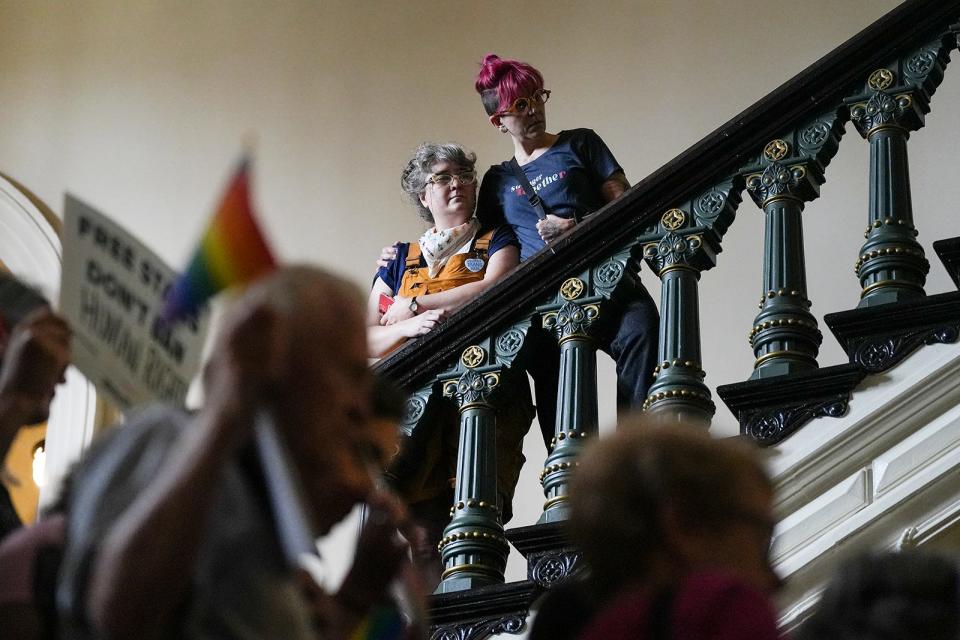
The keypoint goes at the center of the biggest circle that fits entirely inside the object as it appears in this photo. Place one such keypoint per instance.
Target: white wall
(141, 108)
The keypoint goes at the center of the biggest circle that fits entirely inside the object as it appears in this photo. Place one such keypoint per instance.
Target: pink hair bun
(491, 68)
(510, 79)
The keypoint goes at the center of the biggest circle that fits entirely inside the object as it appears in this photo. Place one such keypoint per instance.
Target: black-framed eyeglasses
(464, 178)
(520, 105)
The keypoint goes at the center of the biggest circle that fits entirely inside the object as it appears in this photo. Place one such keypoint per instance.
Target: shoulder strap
(532, 196)
(482, 242)
(660, 609)
(413, 256)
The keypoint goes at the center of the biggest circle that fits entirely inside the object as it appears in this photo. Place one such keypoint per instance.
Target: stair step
(478, 613)
(551, 558)
(877, 338)
(771, 409)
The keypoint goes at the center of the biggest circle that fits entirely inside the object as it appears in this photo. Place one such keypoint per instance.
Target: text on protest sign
(112, 293)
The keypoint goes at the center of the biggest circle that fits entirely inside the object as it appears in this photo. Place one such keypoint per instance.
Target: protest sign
(112, 293)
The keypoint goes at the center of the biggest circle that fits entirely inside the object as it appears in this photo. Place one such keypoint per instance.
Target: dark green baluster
(577, 396)
(785, 337)
(891, 266)
(473, 548)
(679, 394)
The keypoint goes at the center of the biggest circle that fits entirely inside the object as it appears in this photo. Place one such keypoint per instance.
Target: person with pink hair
(573, 172)
(571, 175)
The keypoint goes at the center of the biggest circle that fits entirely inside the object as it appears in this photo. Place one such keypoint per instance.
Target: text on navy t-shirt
(567, 177)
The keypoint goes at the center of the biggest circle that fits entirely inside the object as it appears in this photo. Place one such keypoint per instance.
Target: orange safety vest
(460, 269)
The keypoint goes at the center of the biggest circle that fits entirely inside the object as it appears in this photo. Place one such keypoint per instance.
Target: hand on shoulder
(387, 255)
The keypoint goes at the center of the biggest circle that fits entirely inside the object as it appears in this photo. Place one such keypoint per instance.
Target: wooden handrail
(812, 92)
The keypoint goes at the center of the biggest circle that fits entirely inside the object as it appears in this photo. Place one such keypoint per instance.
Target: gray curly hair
(413, 180)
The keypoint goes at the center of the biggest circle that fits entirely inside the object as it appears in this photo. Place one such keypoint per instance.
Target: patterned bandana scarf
(438, 246)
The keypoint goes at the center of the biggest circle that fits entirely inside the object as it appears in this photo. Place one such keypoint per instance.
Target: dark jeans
(634, 349)
(633, 346)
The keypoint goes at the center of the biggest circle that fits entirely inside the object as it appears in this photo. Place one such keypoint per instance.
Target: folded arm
(552, 227)
(384, 338)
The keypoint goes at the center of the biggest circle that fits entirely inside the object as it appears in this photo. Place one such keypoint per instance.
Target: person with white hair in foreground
(171, 533)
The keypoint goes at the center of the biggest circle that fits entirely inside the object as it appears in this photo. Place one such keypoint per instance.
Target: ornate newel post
(473, 548)
(785, 337)
(892, 266)
(678, 392)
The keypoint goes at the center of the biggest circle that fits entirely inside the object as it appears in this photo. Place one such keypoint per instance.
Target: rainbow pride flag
(231, 252)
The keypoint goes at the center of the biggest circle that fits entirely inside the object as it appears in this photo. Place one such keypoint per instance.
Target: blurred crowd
(171, 527)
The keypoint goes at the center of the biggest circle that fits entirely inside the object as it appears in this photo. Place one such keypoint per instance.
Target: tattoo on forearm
(614, 187)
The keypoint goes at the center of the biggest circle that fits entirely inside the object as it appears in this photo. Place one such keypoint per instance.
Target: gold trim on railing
(556, 500)
(886, 283)
(880, 79)
(794, 355)
(463, 568)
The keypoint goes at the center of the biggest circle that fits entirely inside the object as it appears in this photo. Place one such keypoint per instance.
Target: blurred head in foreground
(653, 505)
(875, 596)
(317, 383)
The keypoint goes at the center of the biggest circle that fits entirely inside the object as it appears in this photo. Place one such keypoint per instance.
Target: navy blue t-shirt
(567, 177)
(392, 274)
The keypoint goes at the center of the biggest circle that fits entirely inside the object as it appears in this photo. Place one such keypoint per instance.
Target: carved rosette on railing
(415, 409)
(769, 428)
(582, 310)
(483, 628)
(416, 426)
(473, 548)
(892, 266)
(788, 174)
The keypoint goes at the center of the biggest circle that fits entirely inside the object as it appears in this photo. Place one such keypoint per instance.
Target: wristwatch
(413, 304)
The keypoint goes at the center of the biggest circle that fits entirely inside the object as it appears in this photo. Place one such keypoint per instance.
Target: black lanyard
(532, 196)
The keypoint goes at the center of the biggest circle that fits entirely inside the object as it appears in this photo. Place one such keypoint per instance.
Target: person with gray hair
(453, 261)
(174, 529)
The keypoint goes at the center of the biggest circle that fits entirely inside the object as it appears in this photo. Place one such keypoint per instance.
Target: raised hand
(34, 361)
(246, 363)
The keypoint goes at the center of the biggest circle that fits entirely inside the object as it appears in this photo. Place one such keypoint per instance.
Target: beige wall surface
(141, 108)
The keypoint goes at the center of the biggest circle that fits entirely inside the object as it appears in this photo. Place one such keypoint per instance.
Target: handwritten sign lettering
(112, 293)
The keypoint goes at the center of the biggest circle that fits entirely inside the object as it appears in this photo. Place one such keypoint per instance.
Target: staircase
(864, 453)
